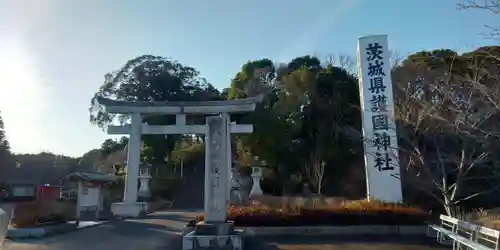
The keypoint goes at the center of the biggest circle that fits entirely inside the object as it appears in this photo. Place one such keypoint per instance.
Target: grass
(486, 218)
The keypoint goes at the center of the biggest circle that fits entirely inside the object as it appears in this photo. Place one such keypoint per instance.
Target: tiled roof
(89, 176)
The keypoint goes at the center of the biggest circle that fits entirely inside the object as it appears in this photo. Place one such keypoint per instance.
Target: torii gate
(130, 207)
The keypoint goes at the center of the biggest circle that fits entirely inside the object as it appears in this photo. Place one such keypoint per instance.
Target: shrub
(485, 218)
(344, 213)
(164, 188)
(297, 201)
(32, 214)
(188, 154)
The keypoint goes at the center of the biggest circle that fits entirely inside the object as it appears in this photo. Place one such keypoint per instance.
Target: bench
(459, 233)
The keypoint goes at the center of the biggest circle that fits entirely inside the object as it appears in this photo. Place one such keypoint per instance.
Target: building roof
(85, 175)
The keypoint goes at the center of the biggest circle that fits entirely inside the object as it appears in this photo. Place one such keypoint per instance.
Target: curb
(42, 232)
(365, 230)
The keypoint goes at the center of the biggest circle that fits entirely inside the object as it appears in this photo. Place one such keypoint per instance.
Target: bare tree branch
(315, 171)
(343, 61)
(492, 6)
(447, 128)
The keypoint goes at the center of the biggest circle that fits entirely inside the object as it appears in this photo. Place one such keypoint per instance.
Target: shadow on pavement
(136, 229)
(163, 231)
(343, 242)
(178, 217)
(144, 234)
(156, 231)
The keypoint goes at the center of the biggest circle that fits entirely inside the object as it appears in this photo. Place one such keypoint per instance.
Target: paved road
(158, 231)
(162, 231)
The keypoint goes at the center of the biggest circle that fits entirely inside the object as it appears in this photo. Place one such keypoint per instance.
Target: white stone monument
(256, 175)
(216, 177)
(379, 129)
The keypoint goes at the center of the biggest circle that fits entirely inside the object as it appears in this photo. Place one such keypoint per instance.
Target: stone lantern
(237, 190)
(256, 175)
(144, 178)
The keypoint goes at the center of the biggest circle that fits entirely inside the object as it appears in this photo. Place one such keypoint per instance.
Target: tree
(4, 149)
(4, 143)
(152, 78)
(492, 6)
(297, 125)
(255, 78)
(109, 146)
(447, 125)
(90, 159)
(332, 103)
(315, 170)
(272, 140)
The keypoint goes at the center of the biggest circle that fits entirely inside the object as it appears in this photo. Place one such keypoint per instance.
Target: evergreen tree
(4, 154)
(4, 144)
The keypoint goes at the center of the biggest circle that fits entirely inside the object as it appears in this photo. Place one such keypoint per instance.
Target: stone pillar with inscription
(379, 127)
(215, 232)
(216, 170)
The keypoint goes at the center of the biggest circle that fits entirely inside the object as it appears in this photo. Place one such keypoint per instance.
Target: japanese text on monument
(378, 105)
(215, 167)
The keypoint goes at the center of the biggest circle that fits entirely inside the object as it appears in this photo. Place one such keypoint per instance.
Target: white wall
(89, 197)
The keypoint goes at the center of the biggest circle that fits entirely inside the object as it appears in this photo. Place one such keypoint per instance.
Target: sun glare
(21, 97)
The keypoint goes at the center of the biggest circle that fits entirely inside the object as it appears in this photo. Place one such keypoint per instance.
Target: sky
(54, 53)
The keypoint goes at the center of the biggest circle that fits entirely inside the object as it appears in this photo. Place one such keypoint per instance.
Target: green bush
(189, 154)
(164, 188)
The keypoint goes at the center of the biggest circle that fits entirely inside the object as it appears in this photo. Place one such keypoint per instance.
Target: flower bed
(345, 213)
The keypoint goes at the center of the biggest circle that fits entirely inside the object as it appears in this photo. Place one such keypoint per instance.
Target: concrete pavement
(160, 230)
